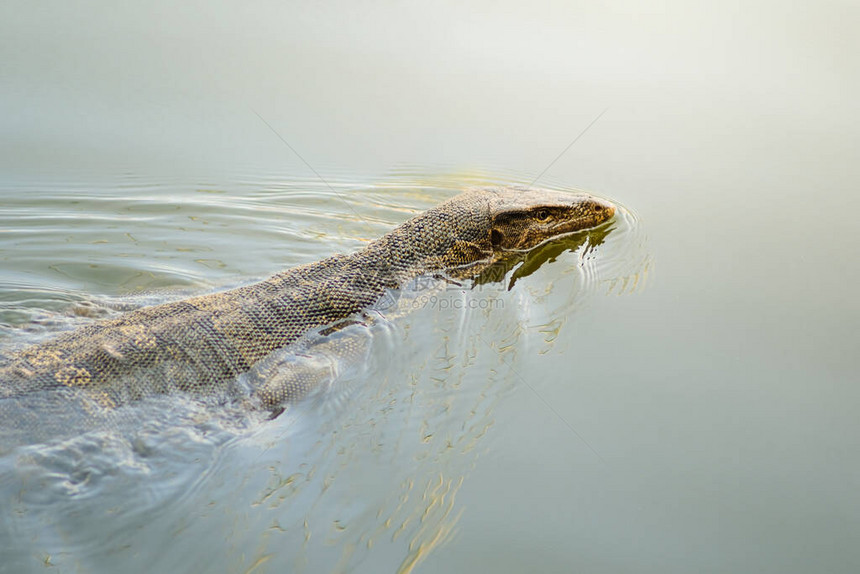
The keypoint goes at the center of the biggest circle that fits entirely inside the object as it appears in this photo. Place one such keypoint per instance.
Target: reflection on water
(722, 398)
(367, 472)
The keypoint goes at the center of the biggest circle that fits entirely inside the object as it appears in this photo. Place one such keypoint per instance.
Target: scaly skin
(199, 345)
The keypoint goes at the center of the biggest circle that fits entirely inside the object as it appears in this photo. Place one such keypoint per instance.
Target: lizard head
(522, 218)
(485, 225)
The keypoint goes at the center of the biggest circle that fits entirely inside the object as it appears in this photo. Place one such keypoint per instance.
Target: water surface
(680, 398)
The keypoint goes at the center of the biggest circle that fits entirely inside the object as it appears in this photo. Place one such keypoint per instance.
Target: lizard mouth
(591, 212)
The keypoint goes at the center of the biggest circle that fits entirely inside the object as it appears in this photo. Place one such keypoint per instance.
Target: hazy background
(714, 408)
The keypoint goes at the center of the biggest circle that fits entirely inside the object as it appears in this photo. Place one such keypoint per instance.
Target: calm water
(679, 398)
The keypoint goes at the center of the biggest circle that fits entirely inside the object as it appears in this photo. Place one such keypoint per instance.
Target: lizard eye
(496, 237)
(542, 215)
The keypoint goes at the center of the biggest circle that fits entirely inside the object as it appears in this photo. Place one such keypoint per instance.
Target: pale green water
(698, 417)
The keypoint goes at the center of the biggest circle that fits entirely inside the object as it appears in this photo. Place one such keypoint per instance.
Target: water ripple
(307, 485)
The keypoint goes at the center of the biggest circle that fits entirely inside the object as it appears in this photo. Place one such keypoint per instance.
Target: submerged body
(199, 345)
